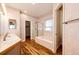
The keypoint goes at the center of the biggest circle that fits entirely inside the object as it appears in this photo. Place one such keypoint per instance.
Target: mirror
(49, 24)
(12, 24)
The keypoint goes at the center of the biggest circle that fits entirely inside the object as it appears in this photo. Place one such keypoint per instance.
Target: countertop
(11, 40)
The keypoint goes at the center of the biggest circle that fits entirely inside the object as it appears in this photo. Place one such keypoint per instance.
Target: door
(27, 30)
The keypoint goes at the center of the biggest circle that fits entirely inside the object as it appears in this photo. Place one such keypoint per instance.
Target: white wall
(11, 14)
(14, 14)
(0, 25)
(33, 26)
(71, 30)
(2, 21)
(0, 18)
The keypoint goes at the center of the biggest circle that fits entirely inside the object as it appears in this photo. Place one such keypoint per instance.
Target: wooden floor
(30, 47)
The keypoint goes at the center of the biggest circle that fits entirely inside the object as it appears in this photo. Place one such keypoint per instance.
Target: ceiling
(34, 10)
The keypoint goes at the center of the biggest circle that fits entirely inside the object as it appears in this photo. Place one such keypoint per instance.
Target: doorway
(27, 30)
(59, 19)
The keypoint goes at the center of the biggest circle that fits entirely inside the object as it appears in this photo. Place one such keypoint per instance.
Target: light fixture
(4, 8)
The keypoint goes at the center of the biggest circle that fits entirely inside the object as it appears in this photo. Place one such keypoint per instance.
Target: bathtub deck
(33, 48)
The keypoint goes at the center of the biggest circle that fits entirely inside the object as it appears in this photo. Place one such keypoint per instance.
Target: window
(49, 25)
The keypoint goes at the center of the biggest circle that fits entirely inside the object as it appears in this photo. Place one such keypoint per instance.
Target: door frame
(56, 10)
(30, 30)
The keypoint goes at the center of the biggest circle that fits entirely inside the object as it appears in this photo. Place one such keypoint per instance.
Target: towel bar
(71, 21)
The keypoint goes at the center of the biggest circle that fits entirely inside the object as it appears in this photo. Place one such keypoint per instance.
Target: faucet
(4, 39)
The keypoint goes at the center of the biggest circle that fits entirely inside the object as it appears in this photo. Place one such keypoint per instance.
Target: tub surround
(44, 42)
(10, 42)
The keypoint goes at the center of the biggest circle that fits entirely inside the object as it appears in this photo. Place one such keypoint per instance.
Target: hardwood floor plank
(32, 48)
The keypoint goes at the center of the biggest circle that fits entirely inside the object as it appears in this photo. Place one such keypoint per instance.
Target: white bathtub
(44, 42)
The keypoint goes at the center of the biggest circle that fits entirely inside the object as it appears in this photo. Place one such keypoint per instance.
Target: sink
(9, 37)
